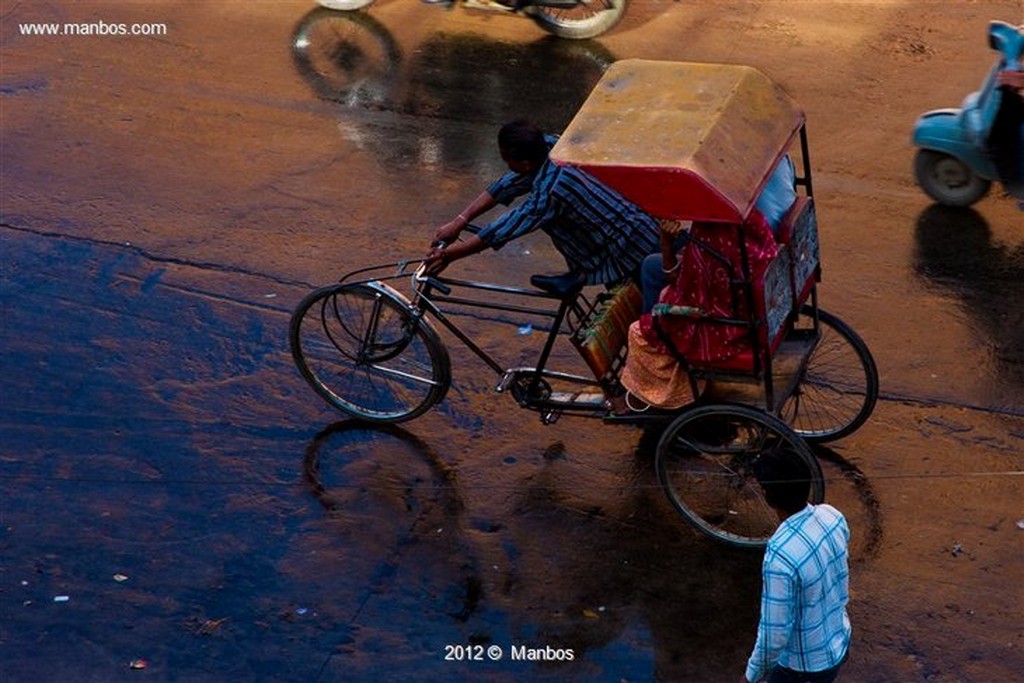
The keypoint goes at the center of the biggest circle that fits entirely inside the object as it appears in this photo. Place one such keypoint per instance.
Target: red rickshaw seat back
(798, 231)
(785, 285)
(773, 298)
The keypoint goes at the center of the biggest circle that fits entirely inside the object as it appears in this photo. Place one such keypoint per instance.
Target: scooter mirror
(1008, 40)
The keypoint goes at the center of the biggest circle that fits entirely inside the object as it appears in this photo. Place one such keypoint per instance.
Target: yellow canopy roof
(682, 140)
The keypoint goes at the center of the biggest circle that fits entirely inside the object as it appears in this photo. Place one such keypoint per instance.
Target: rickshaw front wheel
(948, 180)
(704, 461)
(368, 352)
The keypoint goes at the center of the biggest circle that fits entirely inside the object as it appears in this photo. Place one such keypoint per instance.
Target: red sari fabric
(703, 282)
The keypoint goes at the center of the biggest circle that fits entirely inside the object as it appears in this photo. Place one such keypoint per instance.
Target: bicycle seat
(560, 285)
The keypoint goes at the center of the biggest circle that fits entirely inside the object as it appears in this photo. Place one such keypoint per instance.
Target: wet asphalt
(176, 504)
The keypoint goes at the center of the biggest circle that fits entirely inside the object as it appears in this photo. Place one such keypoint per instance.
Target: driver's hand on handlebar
(436, 260)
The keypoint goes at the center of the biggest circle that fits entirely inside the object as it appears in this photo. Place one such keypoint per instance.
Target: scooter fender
(941, 130)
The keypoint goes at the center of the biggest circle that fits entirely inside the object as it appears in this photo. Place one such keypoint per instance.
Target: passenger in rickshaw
(700, 282)
(775, 199)
(602, 236)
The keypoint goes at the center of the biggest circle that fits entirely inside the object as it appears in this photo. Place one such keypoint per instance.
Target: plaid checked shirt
(804, 625)
(598, 231)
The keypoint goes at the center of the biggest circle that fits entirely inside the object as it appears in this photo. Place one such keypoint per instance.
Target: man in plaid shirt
(804, 632)
(602, 236)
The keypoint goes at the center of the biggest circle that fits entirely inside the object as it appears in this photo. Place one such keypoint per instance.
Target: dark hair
(520, 140)
(785, 479)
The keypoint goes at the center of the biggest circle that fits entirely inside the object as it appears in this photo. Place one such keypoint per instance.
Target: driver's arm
(449, 232)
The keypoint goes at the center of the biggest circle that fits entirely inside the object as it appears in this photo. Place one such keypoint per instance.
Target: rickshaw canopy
(683, 140)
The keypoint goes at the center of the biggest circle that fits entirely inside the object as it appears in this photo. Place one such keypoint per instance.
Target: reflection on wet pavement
(956, 253)
(347, 57)
(389, 487)
(351, 58)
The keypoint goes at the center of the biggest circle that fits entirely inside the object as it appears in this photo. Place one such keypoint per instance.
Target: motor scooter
(955, 161)
(574, 19)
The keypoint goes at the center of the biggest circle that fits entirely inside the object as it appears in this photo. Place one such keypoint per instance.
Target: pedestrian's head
(522, 146)
(785, 479)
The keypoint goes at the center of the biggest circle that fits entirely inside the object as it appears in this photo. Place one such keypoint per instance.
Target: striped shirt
(804, 625)
(599, 232)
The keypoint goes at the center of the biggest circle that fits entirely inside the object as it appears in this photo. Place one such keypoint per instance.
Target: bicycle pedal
(505, 381)
(550, 417)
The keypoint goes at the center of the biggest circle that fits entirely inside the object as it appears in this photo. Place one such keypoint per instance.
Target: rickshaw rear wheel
(948, 180)
(366, 351)
(704, 461)
(839, 387)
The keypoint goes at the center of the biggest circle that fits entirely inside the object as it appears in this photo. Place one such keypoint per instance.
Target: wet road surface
(167, 201)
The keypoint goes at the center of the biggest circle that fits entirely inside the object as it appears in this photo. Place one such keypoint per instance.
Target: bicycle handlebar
(420, 276)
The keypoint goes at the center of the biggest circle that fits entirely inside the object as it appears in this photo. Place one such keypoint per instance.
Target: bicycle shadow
(849, 490)
(591, 580)
(350, 448)
(393, 507)
(596, 574)
(955, 251)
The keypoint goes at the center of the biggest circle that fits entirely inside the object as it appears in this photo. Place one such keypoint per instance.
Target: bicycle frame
(433, 294)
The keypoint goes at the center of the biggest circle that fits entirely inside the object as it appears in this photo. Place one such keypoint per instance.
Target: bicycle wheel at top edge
(704, 462)
(580, 22)
(840, 384)
(365, 351)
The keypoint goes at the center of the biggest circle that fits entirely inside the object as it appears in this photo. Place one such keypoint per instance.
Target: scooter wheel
(948, 180)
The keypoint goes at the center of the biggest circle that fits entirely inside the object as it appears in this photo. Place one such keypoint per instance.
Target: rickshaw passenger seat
(798, 232)
(784, 233)
(562, 285)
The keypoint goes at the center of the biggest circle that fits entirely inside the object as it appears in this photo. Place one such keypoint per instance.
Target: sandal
(621, 405)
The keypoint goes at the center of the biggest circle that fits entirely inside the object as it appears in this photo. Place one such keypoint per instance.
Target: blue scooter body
(963, 133)
(941, 130)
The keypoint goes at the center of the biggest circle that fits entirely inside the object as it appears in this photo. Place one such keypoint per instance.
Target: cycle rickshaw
(684, 141)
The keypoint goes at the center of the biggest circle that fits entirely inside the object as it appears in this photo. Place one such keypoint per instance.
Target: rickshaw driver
(602, 236)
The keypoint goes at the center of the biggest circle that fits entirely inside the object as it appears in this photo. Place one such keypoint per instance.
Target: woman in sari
(702, 284)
